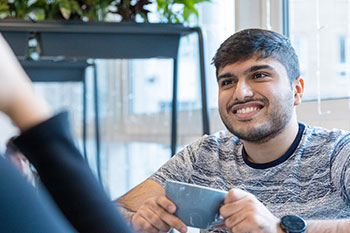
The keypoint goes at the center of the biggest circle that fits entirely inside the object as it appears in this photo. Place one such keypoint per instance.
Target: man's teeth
(247, 110)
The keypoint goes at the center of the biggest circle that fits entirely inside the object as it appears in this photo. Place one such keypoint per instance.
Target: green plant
(15, 9)
(129, 10)
(96, 10)
(58, 9)
(178, 11)
(171, 11)
(40, 9)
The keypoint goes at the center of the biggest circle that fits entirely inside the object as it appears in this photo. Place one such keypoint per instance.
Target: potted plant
(77, 21)
(171, 11)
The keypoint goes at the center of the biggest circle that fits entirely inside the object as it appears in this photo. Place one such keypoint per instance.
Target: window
(319, 30)
(300, 45)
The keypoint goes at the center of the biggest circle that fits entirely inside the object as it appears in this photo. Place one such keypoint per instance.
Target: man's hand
(157, 215)
(244, 213)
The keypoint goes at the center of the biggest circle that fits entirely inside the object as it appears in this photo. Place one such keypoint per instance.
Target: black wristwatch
(293, 224)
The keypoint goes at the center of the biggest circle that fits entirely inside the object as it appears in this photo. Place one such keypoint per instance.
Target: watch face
(293, 223)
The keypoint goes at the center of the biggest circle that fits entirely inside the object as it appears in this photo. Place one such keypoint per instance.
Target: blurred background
(135, 95)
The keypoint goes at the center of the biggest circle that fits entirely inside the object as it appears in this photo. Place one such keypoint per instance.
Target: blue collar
(280, 159)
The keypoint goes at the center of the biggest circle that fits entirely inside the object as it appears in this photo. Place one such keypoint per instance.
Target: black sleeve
(24, 210)
(50, 148)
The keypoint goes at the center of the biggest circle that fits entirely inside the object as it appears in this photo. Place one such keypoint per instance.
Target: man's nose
(243, 91)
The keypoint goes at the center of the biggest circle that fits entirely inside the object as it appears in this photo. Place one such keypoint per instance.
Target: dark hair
(261, 43)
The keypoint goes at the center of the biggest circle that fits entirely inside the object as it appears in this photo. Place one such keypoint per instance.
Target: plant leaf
(65, 9)
(186, 14)
(4, 7)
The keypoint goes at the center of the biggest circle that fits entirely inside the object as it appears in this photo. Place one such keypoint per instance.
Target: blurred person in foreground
(75, 201)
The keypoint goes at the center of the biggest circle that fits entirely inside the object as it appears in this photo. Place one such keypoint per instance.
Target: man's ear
(298, 89)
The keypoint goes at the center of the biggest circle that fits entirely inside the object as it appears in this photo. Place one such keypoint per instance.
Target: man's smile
(246, 111)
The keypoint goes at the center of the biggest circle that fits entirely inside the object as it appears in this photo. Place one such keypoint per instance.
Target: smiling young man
(256, 104)
(277, 171)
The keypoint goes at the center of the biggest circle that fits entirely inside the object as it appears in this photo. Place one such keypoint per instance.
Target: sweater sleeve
(24, 210)
(340, 168)
(180, 166)
(50, 148)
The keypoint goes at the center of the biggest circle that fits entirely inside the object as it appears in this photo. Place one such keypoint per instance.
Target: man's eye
(259, 75)
(226, 82)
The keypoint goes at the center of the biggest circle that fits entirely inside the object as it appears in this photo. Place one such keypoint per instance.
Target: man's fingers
(168, 205)
(157, 214)
(232, 208)
(152, 215)
(167, 214)
(235, 195)
(142, 225)
(237, 218)
(236, 206)
(250, 223)
(173, 221)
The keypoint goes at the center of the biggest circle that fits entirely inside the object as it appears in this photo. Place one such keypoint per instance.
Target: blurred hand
(157, 215)
(17, 98)
(244, 213)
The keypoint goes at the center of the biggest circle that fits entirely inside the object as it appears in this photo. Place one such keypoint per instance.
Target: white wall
(328, 114)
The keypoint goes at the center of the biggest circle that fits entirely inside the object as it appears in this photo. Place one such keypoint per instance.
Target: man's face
(255, 99)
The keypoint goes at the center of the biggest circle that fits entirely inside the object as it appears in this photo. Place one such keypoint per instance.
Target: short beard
(261, 134)
(277, 120)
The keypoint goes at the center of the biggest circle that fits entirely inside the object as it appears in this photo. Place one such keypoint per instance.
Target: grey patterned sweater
(312, 179)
